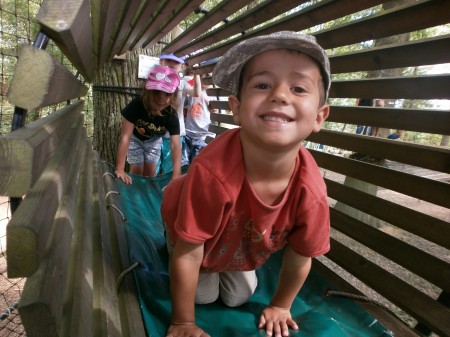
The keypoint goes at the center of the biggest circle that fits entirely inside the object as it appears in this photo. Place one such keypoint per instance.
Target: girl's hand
(185, 330)
(120, 174)
(277, 321)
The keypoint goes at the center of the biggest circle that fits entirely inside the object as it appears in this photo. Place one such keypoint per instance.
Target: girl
(146, 120)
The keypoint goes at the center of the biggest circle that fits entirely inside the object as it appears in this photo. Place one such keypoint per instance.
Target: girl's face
(160, 100)
(279, 105)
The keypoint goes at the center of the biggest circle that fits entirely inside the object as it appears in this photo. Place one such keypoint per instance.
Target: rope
(8, 311)
(126, 271)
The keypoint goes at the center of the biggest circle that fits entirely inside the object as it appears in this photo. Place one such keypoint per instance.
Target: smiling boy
(253, 190)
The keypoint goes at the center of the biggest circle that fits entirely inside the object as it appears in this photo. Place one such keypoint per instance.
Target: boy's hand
(185, 330)
(120, 174)
(277, 321)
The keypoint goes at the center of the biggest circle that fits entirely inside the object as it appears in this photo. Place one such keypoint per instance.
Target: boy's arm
(184, 270)
(276, 318)
(196, 90)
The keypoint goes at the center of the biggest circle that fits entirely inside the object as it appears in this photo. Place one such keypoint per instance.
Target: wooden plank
(393, 56)
(222, 118)
(213, 17)
(417, 87)
(104, 18)
(40, 80)
(68, 23)
(421, 188)
(415, 222)
(167, 20)
(221, 105)
(107, 320)
(132, 323)
(399, 20)
(420, 120)
(218, 92)
(42, 303)
(425, 309)
(29, 229)
(391, 322)
(252, 17)
(313, 15)
(25, 152)
(430, 157)
(419, 262)
(77, 316)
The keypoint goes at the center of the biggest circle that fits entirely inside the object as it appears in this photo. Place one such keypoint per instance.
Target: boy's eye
(262, 86)
(298, 90)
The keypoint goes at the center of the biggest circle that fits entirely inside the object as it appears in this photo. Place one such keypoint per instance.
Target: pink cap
(162, 78)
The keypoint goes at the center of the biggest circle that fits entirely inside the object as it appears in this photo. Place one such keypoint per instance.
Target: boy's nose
(280, 93)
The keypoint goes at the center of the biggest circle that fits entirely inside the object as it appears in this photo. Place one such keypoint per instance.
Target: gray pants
(233, 287)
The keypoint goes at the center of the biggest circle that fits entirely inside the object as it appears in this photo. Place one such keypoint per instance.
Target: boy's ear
(322, 115)
(234, 104)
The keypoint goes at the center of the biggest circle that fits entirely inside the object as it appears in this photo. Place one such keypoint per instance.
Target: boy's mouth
(279, 119)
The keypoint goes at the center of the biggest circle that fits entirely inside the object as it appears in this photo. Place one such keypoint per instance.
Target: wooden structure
(69, 244)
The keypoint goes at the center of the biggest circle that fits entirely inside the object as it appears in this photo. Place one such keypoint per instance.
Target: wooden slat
(160, 28)
(381, 314)
(423, 120)
(104, 18)
(25, 152)
(415, 222)
(40, 80)
(43, 300)
(399, 20)
(217, 14)
(68, 23)
(107, 320)
(257, 15)
(417, 261)
(222, 118)
(132, 324)
(218, 92)
(29, 229)
(414, 186)
(322, 12)
(430, 157)
(393, 56)
(423, 308)
(223, 105)
(139, 20)
(417, 87)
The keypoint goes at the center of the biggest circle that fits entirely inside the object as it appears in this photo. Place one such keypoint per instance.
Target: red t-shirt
(215, 204)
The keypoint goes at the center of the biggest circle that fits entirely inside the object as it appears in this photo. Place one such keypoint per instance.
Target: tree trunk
(111, 93)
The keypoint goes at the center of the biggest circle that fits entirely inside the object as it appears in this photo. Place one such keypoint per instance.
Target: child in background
(184, 89)
(197, 122)
(146, 119)
(255, 189)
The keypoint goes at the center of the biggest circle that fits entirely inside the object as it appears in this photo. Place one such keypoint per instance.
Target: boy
(253, 190)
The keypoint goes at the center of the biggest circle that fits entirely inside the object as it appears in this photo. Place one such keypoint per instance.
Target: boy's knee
(236, 288)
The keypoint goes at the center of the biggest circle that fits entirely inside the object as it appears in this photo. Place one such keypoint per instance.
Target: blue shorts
(140, 152)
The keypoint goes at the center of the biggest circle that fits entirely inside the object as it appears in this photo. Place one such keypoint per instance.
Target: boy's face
(171, 64)
(280, 98)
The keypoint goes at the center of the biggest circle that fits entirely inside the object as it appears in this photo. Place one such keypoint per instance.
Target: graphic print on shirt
(148, 129)
(196, 110)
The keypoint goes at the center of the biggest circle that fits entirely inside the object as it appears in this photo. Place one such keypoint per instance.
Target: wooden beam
(430, 157)
(418, 223)
(393, 56)
(418, 187)
(68, 23)
(25, 152)
(31, 226)
(421, 120)
(40, 80)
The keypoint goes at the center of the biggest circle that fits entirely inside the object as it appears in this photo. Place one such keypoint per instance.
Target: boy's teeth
(275, 119)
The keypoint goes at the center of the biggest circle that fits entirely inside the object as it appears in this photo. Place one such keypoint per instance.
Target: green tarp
(317, 315)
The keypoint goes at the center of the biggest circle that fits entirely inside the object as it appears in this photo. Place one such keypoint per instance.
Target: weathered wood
(430, 157)
(418, 187)
(420, 224)
(29, 230)
(40, 80)
(313, 15)
(422, 307)
(68, 23)
(130, 315)
(25, 152)
(44, 296)
(430, 121)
